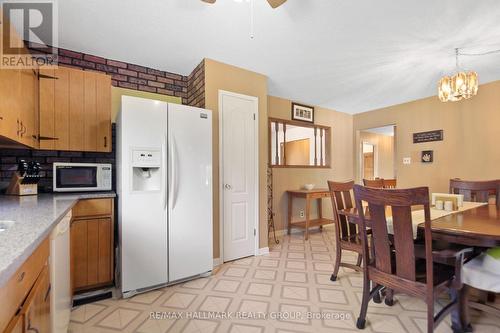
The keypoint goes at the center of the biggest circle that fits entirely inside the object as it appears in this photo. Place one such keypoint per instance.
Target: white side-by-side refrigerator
(164, 185)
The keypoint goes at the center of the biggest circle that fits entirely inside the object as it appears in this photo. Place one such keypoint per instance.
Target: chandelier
(461, 85)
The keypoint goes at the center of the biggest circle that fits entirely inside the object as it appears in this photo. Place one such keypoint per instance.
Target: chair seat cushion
(441, 273)
(482, 272)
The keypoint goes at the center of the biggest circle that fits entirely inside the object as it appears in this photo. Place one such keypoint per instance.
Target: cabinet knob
(21, 277)
(105, 141)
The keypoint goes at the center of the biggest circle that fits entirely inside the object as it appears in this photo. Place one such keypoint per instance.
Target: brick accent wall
(126, 75)
(10, 157)
(196, 86)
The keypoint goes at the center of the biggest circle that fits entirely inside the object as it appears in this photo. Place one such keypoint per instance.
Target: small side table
(309, 195)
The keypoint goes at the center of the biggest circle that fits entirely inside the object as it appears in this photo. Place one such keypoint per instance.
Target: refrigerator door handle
(165, 170)
(173, 180)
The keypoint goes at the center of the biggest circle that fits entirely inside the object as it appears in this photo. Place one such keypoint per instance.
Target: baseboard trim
(217, 262)
(263, 251)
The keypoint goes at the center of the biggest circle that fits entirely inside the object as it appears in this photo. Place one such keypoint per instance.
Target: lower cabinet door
(36, 309)
(16, 325)
(91, 253)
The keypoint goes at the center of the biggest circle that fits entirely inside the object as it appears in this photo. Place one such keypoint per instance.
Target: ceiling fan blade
(276, 3)
(209, 1)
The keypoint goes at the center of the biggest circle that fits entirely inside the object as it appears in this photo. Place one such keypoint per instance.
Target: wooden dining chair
(397, 267)
(346, 233)
(389, 183)
(377, 182)
(477, 191)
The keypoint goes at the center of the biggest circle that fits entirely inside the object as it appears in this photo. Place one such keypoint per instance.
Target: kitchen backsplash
(10, 157)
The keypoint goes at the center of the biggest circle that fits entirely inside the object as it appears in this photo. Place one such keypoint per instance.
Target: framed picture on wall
(302, 112)
(427, 156)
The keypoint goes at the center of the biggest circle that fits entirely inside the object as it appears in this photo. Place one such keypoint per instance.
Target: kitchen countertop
(34, 217)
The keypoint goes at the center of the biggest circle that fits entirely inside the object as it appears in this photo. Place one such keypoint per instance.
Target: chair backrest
(340, 194)
(478, 191)
(377, 182)
(390, 183)
(400, 203)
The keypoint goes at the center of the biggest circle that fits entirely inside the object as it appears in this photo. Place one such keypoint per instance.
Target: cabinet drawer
(93, 207)
(17, 288)
(319, 195)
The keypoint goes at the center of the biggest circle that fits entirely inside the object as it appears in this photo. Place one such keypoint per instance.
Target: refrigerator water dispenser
(146, 170)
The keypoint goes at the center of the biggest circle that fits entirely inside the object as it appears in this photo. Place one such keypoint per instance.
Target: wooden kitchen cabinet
(92, 244)
(61, 109)
(75, 110)
(103, 113)
(29, 108)
(19, 103)
(16, 325)
(36, 309)
(76, 96)
(10, 87)
(26, 296)
(34, 315)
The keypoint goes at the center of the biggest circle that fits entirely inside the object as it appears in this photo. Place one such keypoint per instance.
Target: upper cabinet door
(10, 92)
(103, 106)
(47, 133)
(29, 108)
(61, 109)
(76, 109)
(54, 108)
(90, 111)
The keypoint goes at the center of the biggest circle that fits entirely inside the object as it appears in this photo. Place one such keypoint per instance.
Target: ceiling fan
(272, 3)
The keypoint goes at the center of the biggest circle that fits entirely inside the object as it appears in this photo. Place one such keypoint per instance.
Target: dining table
(475, 225)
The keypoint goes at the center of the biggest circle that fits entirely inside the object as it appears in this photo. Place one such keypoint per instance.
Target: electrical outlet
(407, 160)
(302, 214)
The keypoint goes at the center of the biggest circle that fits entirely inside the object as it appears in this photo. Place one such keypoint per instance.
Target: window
(295, 144)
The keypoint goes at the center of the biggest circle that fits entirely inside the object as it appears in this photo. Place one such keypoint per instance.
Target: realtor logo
(28, 32)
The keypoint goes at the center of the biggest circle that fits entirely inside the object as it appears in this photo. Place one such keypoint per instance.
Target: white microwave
(76, 177)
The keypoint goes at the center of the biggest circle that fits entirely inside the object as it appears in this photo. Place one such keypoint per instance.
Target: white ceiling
(348, 55)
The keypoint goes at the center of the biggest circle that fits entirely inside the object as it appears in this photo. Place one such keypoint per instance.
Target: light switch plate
(407, 160)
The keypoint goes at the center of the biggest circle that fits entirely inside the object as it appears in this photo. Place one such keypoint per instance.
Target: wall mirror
(297, 144)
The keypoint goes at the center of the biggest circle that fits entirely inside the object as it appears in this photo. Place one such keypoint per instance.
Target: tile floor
(293, 278)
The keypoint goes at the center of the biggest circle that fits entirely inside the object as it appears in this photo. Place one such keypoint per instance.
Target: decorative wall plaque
(429, 136)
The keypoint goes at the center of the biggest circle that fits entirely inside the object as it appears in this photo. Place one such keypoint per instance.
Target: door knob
(228, 187)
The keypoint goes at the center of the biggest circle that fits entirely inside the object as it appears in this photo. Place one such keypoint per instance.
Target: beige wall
(471, 132)
(219, 76)
(384, 154)
(294, 178)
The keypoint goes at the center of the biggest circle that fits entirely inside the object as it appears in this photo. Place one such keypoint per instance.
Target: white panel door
(190, 230)
(142, 217)
(239, 174)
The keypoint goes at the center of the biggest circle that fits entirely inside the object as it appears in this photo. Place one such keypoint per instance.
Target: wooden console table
(309, 195)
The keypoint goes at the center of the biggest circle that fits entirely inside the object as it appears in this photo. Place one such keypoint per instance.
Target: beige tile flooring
(293, 278)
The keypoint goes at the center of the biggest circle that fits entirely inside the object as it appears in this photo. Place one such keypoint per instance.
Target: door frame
(375, 159)
(221, 170)
(359, 150)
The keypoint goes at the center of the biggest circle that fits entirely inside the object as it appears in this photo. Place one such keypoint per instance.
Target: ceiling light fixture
(462, 85)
